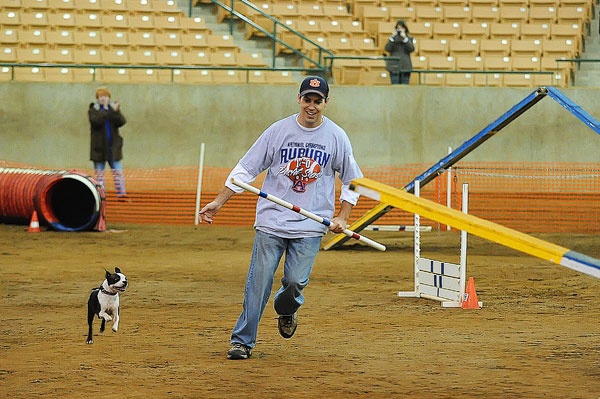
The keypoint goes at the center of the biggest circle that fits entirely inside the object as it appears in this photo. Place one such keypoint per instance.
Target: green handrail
(420, 71)
(273, 36)
(578, 61)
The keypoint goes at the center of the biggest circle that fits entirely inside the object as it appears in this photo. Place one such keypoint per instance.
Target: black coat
(99, 149)
(396, 48)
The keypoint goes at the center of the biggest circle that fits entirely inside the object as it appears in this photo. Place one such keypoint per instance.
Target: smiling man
(301, 154)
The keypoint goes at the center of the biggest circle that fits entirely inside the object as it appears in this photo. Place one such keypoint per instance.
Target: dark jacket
(395, 47)
(99, 149)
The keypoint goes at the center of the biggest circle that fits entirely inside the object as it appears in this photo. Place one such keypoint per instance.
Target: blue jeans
(117, 170)
(300, 254)
(400, 78)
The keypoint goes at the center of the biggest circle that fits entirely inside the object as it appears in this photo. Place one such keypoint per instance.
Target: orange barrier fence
(533, 197)
(530, 197)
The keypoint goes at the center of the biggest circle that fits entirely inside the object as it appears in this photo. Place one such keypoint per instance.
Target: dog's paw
(107, 317)
(115, 329)
(89, 341)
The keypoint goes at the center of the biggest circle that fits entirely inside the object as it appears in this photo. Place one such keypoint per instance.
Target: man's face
(311, 108)
(103, 100)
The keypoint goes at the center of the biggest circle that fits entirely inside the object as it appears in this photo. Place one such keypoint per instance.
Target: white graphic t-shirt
(301, 164)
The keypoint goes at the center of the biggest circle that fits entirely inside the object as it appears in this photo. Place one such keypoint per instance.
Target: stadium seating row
(362, 75)
(371, 15)
(466, 63)
(143, 75)
(587, 4)
(11, 19)
(492, 63)
(345, 70)
(338, 28)
(125, 56)
(484, 30)
(124, 6)
(551, 48)
(556, 48)
(380, 30)
(437, 30)
(567, 15)
(291, 10)
(116, 39)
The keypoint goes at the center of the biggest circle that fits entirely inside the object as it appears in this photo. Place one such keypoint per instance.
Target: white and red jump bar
(306, 213)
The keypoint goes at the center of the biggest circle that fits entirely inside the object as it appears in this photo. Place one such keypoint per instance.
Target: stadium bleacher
(113, 33)
(471, 35)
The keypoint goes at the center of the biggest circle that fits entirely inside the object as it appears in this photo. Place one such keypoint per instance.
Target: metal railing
(172, 68)
(273, 36)
(578, 61)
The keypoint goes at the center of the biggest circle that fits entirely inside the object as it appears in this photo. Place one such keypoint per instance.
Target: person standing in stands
(106, 142)
(400, 45)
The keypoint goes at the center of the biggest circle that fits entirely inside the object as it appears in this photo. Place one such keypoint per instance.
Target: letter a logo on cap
(314, 84)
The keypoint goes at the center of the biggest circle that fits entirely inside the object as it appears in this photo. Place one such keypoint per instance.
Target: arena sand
(536, 336)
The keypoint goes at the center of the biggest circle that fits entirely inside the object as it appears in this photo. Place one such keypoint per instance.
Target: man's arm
(211, 209)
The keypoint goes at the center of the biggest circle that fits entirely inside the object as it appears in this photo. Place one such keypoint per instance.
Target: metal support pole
(274, 41)
(449, 189)
(199, 189)
(231, 19)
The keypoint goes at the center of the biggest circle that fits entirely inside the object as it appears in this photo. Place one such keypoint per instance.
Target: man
(302, 153)
(106, 142)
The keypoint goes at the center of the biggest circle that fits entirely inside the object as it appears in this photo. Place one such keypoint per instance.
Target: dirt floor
(536, 336)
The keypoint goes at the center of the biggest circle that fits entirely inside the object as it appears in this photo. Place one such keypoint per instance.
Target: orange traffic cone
(34, 225)
(470, 299)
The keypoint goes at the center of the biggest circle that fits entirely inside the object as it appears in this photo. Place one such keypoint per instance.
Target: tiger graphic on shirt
(303, 163)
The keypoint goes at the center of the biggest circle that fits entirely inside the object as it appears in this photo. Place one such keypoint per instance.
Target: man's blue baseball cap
(314, 84)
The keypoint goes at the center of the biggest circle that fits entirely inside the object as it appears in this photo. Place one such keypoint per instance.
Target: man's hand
(116, 105)
(208, 212)
(338, 224)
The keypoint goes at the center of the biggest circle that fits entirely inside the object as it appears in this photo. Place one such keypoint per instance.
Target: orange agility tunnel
(64, 200)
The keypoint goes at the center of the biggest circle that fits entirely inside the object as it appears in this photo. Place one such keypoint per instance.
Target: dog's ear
(107, 273)
(117, 270)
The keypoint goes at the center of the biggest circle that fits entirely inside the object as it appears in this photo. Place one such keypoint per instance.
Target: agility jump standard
(480, 227)
(306, 213)
(437, 280)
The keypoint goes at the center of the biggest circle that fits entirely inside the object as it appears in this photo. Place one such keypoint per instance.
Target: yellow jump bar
(477, 226)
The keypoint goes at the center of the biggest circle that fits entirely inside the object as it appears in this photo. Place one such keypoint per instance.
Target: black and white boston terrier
(104, 301)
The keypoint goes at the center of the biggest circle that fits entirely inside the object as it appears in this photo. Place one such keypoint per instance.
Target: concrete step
(588, 79)
(262, 46)
(588, 73)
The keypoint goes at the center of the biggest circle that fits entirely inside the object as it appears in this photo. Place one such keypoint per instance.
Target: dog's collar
(106, 292)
